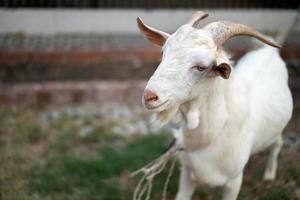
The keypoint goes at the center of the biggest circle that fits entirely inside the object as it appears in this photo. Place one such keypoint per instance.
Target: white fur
(193, 115)
(223, 121)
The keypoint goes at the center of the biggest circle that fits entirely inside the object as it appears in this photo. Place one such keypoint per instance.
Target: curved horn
(196, 18)
(224, 30)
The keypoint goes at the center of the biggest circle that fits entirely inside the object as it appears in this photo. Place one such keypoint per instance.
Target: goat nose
(150, 96)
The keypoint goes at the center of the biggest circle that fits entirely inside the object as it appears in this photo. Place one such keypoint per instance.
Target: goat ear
(222, 69)
(155, 36)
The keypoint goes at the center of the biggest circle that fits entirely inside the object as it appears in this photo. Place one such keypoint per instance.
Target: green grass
(57, 162)
(278, 193)
(104, 177)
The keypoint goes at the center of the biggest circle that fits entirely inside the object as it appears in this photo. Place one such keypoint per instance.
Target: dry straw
(151, 170)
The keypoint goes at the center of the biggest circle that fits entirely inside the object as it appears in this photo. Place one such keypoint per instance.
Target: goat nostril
(150, 96)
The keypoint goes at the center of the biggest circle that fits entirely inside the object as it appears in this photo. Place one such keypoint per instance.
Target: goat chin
(173, 114)
(160, 119)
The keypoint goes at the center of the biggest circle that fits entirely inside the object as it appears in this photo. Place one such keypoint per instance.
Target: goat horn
(196, 18)
(224, 30)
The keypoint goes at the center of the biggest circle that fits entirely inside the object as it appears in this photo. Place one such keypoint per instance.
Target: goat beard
(160, 119)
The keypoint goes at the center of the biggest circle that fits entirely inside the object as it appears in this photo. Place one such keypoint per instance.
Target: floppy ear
(222, 68)
(155, 36)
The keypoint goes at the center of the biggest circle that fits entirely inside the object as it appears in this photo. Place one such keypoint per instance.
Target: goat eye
(198, 68)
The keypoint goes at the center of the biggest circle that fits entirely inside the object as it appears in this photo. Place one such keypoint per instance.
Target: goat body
(226, 113)
(238, 117)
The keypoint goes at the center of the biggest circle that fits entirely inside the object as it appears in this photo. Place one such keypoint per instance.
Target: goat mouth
(158, 106)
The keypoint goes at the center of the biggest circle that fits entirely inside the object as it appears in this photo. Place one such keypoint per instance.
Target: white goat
(227, 113)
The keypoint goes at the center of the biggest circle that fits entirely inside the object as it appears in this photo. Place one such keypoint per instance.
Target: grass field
(57, 162)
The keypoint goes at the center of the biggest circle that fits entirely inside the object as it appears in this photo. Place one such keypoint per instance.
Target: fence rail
(149, 4)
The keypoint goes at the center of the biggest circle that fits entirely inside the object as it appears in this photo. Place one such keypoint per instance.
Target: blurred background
(72, 73)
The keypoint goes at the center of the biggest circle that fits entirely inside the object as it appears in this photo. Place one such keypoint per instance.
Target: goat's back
(263, 65)
(265, 77)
